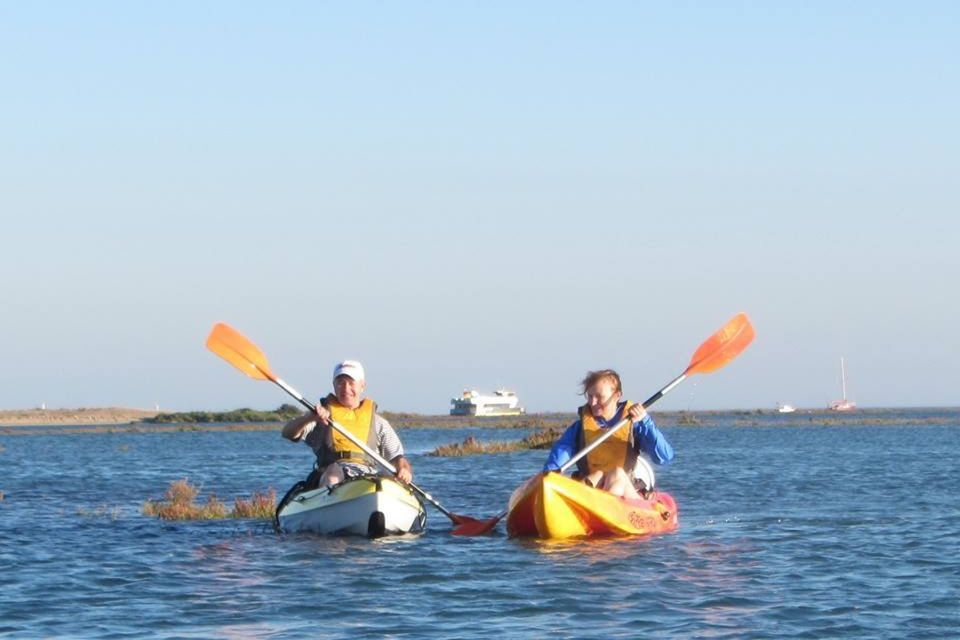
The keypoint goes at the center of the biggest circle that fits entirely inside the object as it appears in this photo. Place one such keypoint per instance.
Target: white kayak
(372, 506)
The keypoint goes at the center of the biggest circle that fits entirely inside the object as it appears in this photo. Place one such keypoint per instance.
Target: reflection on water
(588, 550)
(784, 531)
(716, 565)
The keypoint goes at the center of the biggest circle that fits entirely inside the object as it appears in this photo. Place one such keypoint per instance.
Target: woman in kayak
(339, 459)
(604, 467)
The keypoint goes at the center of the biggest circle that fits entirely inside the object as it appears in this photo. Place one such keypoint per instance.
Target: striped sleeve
(387, 439)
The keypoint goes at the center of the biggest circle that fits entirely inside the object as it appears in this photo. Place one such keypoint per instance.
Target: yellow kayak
(551, 505)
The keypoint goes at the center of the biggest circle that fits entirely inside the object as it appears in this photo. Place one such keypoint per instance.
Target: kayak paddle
(238, 350)
(716, 351)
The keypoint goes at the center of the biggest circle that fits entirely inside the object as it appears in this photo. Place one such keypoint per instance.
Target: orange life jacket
(615, 451)
(359, 422)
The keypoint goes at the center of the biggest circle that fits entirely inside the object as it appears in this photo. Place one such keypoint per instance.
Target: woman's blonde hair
(593, 377)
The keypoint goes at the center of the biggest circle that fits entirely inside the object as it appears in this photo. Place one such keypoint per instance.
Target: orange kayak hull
(553, 506)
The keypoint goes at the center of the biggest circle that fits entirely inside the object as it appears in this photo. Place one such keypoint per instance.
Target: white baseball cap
(350, 368)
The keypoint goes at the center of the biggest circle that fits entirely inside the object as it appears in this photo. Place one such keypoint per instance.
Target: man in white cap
(339, 459)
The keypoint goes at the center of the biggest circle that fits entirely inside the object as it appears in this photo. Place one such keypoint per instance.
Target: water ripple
(785, 532)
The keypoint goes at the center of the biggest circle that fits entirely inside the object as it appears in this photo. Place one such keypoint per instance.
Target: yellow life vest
(359, 422)
(615, 451)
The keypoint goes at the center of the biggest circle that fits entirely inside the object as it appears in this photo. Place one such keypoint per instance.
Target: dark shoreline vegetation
(542, 439)
(286, 412)
(254, 420)
(283, 413)
(550, 420)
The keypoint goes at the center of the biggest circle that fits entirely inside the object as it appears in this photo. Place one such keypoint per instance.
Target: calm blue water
(785, 531)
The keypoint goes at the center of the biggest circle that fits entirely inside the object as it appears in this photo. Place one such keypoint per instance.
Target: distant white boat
(844, 404)
(785, 408)
(472, 403)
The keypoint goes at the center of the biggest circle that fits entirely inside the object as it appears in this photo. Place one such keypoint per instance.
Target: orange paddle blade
(723, 346)
(236, 348)
(466, 526)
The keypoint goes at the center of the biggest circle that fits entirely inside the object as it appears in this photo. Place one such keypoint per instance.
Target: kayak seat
(287, 497)
(643, 476)
(312, 481)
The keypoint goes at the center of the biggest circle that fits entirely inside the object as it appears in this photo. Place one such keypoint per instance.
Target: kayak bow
(551, 505)
(372, 506)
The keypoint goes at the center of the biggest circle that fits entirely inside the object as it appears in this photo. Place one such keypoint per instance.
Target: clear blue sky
(479, 194)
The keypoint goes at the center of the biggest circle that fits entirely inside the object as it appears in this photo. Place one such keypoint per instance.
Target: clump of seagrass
(471, 446)
(260, 506)
(542, 439)
(179, 503)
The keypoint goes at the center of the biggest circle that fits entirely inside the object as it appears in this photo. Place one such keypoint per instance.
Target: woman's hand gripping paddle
(238, 350)
(715, 352)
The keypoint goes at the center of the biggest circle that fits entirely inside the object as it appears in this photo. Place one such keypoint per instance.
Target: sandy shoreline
(82, 416)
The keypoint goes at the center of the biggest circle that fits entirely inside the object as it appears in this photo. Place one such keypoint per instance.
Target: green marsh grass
(281, 414)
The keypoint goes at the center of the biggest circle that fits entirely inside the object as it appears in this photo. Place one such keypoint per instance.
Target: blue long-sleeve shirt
(647, 438)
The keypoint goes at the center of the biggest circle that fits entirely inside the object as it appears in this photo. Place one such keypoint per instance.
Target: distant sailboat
(783, 407)
(844, 404)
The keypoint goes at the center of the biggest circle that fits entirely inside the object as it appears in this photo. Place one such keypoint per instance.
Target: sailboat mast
(843, 379)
